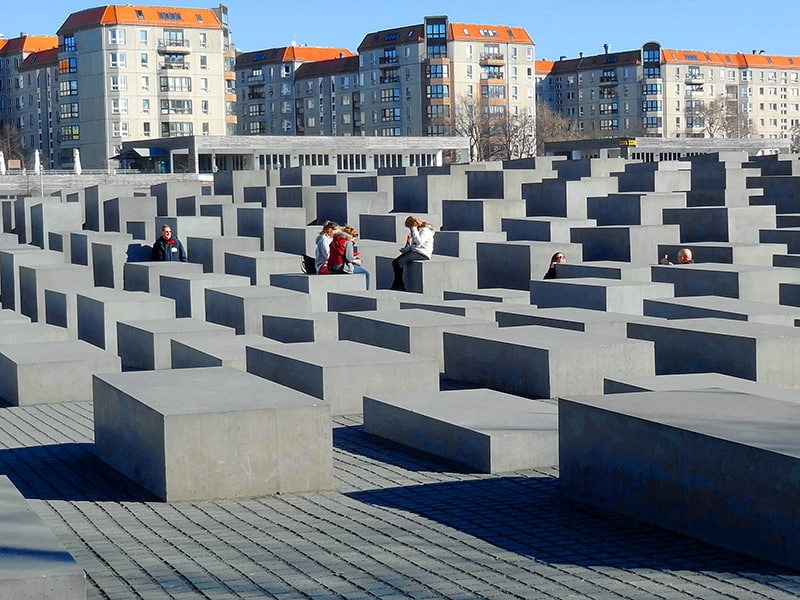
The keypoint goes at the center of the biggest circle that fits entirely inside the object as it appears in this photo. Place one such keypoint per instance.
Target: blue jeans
(360, 269)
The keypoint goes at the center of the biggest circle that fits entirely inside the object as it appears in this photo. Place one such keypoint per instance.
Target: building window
(119, 106)
(651, 106)
(68, 88)
(390, 95)
(145, 105)
(176, 107)
(203, 40)
(69, 43)
(204, 106)
(609, 124)
(143, 37)
(653, 122)
(390, 114)
(204, 84)
(145, 82)
(70, 133)
(176, 84)
(116, 37)
(119, 83)
(175, 129)
(143, 60)
(116, 60)
(493, 91)
(68, 111)
(67, 65)
(438, 91)
(119, 129)
(437, 71)
(203, 62)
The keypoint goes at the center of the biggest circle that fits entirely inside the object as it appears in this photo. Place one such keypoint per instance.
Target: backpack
(308, 265)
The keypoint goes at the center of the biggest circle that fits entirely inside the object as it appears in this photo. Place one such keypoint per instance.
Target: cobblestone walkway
(400, 525)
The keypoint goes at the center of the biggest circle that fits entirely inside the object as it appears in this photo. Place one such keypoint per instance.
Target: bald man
(685, 256)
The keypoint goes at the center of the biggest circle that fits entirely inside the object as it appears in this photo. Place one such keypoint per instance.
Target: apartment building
(407, 81)
(418, 79)
(27, 79)
(671, 93)
(272, 99)
(138, 71)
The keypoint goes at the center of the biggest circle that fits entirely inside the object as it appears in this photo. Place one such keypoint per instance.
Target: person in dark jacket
(168, 247)
(557, 259)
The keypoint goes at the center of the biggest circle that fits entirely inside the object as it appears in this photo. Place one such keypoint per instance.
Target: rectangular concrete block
(311, 327)
(10, 261)
(542, 362)
(342, 372)
(212, 433)
(715, 465)
(145, 344)
(146, 276)
(213, 349)
(596, 294)
(35, 280)
(33, 562)
(242, 308)
(210, 251)
(697, 307)
(486, 430)
(756, 351)
(51, 371)
(188, 291)
(99, 310)
(317, 286)
(258, 266)
(410, 330)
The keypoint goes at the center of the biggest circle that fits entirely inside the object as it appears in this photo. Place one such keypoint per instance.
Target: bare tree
(11, 143)
(553, 127)
(794, 137)
(473, 123)
(514, 136)
(714, 117)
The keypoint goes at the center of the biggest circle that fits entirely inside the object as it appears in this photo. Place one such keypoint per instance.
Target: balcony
(388, 60)
(255, 78)
(256, 95)
(491, 76)
(491, 59)
(609, 80)
(695, 78)
(392, 79)
(174, 46)
(181, 66)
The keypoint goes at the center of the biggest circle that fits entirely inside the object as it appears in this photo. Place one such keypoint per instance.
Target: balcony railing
(182, 66)
(255, 78)
(388, 60)
(171, 45)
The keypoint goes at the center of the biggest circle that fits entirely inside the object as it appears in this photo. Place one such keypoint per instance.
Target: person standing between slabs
(167, 247)
(419, 246)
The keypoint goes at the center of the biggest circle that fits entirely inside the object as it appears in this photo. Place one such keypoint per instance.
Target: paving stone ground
(399, 525)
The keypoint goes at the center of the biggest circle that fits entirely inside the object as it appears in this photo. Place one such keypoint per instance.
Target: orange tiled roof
(543, 66)
(723, 59)
(291, 54)
(141, 15)
(489, 33)
(29, 43)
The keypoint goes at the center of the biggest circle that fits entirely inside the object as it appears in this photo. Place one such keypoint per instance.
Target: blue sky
(729, 26)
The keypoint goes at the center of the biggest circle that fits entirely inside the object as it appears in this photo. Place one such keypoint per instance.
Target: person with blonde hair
(341, 254)
(419, 246)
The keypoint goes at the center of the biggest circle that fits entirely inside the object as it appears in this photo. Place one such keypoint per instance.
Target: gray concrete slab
(596, 294)
(33, 562)
(487, 430)
(188, 290)
(218, 348)
(342, 372)
(695, 307)
(145, 276)
(145, 344)
(51, 371)
(712, 464)
(242, 308)
(227, 434)
(756, 351)
(542, 362)
(410, 330)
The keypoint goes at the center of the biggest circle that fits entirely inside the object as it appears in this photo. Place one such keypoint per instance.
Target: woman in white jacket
(419, 246)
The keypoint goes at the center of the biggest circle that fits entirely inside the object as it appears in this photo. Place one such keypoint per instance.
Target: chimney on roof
(761, 52)
(606, 47)
(562, 57)
(580, 54)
